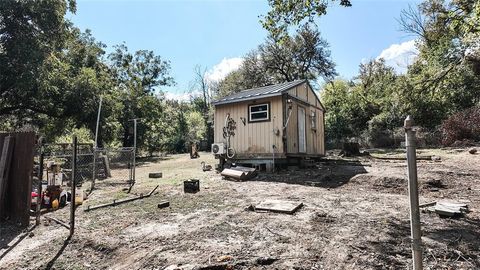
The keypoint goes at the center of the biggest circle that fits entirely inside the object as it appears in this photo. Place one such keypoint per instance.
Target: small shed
(279, 122)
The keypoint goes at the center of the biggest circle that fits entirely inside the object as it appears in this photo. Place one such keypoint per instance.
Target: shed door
(302, 139)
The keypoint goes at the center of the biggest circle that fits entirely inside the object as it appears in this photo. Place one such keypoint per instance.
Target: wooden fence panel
(5, 161)
(19, 186)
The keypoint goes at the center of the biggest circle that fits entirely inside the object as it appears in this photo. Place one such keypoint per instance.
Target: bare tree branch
(413, 22)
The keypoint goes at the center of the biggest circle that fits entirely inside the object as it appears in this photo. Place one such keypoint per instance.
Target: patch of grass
(175, 169)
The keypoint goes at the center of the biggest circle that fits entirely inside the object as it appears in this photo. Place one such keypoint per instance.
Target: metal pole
(94, 171)
(40, 178)
(416, 232)
(98, 122)
(134, 147)
(73, 185)
(132, 170)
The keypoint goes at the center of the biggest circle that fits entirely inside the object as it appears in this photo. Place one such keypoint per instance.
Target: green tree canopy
(303, 56)
(286, 13)
(138, 77)
(30, 33)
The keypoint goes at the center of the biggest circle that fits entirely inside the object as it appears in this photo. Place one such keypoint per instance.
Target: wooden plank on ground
(446, 211)
(5, 161)
(453, 204)
(279, 206)
(240, 173)
(233, 173)
(427, 204)
(450, 209)
(155, 175)
(163, 204)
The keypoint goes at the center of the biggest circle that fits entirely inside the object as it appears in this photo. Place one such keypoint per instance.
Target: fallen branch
(346, 162)
(115, 202)
(402, 158)
(58, 221)
(278, 234)
(427, 204)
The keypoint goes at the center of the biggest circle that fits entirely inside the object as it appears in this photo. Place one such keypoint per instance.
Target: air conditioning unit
(218, 148)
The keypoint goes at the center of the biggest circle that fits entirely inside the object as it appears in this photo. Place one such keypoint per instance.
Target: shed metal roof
(260, 92)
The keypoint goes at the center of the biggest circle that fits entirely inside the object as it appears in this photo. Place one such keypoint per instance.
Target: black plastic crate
(191, 186)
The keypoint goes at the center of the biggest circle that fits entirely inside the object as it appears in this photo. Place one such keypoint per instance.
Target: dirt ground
(355, 216)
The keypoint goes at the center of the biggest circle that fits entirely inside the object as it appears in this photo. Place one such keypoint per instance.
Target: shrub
(84, 135)
(429, 137)
(377, 133)
(464, 125)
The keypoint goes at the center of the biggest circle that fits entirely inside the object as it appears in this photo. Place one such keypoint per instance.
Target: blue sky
(205, 32)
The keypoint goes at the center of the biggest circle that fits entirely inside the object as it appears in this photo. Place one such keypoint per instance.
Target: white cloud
(215, 74)
(181, 96)
(400, 56)
(221, 70)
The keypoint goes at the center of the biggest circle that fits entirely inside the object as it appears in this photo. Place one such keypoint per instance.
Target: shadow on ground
(153, 159)
(324, 174)
(10, 236)
(447, 244)
(460, 238)
(51, 263)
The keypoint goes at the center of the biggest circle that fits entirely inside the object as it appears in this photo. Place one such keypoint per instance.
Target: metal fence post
(134, 154)
(416, 232)
(73, 185)
(94, 169)
(134, 147)
(40, 178)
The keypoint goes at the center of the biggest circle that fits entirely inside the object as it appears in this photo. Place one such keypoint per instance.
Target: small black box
(191, 186)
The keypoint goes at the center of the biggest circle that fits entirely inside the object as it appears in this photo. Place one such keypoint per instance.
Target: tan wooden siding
(251, 138)
(302, 92)
(315, 138)
(258, 138)
(292, 129)
(311, 134)
(321, 132)
(311, 96)
(316, 135)
(305, 93)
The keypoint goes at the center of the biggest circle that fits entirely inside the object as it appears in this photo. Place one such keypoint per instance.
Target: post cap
(408, 123)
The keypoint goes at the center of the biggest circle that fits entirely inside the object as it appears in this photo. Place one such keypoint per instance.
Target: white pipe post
(132, 170)
(416, 233)
(98, 122)
(95, 146)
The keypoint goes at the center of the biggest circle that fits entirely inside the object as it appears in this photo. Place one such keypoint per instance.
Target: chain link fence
(58, 164)
(116, 164)
(52, 175)
(52, 172)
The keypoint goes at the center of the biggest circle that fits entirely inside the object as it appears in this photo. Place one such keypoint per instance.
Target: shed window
(259, 112)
